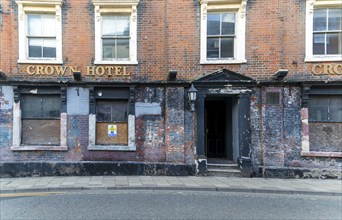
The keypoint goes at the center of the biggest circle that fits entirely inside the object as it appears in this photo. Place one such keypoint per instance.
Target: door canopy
(224, 77)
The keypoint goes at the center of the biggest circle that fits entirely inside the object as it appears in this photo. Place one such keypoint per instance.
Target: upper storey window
(115, 31)
(220, 35)
(115, 37)
(323, 30)
(41, 36)
(223, 28)
(40, 31)
(327, 31)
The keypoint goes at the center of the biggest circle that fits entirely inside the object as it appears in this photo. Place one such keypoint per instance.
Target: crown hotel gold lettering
(328, 69)
(35, 70)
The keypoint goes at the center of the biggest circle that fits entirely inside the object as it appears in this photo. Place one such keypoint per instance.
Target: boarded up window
(40, 119)
(111, 122)
(325, 123)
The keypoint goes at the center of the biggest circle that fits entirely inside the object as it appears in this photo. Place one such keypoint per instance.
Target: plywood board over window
(104, 138)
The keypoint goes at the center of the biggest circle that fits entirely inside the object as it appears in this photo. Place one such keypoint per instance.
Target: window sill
(323, 59)
(223, 62)
(112, 148)
(39, 148)
(114, 62)
(320, 154)
(40, 61)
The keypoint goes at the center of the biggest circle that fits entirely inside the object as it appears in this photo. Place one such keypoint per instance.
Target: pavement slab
(291, 186)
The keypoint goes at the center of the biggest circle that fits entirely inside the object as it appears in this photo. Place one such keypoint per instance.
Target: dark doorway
(218, 127)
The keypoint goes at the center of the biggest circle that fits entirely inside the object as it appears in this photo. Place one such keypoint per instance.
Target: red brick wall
(169, 39)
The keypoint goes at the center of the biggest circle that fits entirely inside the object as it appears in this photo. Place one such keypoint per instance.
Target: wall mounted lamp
(280, 74)
(2, 75)
(192, 92)
(172, 75)
(77, 76)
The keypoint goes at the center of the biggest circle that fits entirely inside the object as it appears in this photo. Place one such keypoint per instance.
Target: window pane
(31, 106)
(227, 47)
(334, 43)
(334, 21)
(318, 108)
(49, 27)
(35, 47)
(228, 23)
(320, 20)
(40, 106)
(103, 111)
(122, 48)
(122, 26)
(108, 25)
(120, 111)
(336, 108)
(108, 46)
(49, 49)
(213, 47)
(213, 24)
(51, 106)
(115, 26)
(318, 44)
(41, 25)
(111, 111)
(34, 27)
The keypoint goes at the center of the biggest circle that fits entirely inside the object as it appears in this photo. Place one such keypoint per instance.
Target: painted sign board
(112, 131)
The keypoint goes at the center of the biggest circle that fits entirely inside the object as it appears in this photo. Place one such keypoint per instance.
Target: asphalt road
(118, 204)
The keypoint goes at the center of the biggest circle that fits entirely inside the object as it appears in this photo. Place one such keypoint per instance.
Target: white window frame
(112, 7)
(311, 5)
(238, 6)
(39, 7)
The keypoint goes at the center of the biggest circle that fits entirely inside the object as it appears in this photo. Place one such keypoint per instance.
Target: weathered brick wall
(150, 123)
(276, 138)
(6, 116)
(174, 127)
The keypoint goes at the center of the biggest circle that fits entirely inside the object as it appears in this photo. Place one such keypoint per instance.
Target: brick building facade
(101, 87)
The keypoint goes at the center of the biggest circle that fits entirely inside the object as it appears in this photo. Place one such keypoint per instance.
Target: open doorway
(221, 129)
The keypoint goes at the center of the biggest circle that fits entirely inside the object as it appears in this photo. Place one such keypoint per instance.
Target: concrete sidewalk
(232, 184)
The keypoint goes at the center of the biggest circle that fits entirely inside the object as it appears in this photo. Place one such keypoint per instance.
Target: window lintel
(222, 1)
(39, 2)
(326, 3)
(116, 3)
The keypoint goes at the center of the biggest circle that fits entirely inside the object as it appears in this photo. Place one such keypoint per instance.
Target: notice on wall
(112, 131)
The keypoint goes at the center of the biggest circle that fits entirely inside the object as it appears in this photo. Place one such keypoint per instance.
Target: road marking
(28, 194)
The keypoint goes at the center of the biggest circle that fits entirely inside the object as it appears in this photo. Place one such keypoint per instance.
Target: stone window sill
(220, 61)
(320, 154)
(112, 148)
(323, 59)
(39, 148)
(38, 61)
(115, 62)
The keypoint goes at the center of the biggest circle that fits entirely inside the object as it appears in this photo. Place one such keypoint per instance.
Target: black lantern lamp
(192, 97)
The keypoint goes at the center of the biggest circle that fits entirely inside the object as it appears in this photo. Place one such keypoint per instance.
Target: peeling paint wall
(276, 139)
(6, 116)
